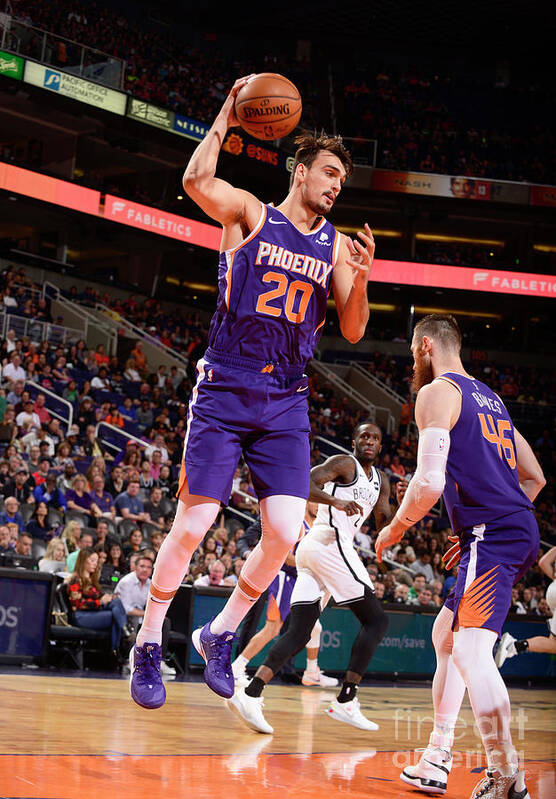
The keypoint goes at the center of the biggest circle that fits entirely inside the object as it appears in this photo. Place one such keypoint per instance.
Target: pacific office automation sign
(154, 220)
(461, 277)
(78, 89)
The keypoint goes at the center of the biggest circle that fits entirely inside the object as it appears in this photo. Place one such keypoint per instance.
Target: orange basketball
(268, 106)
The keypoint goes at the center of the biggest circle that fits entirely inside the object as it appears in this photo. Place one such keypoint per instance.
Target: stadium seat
(73, 641)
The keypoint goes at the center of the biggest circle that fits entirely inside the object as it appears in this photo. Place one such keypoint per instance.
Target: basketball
(268, 106)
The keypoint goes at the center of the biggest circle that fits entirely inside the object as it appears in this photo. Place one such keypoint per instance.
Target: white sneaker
(166, 670)
(318, 678)
(242, 680)
(506, 649)
(250, 710)
(349, 713)
(494, 786)
(430, 774)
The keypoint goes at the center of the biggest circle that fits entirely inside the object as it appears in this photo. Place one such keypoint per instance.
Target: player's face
(322, 182)
(367, 443)
(422, 365)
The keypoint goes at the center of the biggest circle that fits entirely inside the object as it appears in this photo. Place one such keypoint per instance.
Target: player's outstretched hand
(349, 507)
(229, 108)
(401, 488)
(387, 537)
(361, 255)
(453, 554)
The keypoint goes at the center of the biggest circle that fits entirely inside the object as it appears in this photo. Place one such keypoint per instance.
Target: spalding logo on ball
(268, 106)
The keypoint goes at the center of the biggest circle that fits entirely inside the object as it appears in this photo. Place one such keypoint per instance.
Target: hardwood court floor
(72, 738)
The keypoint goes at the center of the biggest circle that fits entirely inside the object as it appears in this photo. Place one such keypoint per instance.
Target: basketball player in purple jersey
(276, 269)
(470, 450)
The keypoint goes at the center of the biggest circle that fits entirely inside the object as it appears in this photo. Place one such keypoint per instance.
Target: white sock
(239, 664)
(281, 520)
(488, 694)
(448, 687)
(312, 665)
(190, 525)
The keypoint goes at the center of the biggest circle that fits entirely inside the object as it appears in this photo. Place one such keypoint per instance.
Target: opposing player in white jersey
(348, 488)
(510, 646)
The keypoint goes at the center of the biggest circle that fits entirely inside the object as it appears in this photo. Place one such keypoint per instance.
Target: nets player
(510, 647)
(347, 488)
(470, 450)
(278, 610)
(277, 267)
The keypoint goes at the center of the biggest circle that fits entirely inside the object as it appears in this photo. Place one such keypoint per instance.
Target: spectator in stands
(13, 371)
(50, 494)
(131, 463)
(77, 497)
(5, 539)
(20, 487)
(156, 464)
(103, 532)
(11, 514)
(71, 535)
(401, 593)
(92, 608)
(145, 416)
(133, 591)
(133, 544)
(23, 544)
(154, 509)
(28, 417)
(418, 585)
(115, 417)
(424, 600)
(116, 484)
(146, 480)
(130, 372)
(41, 410)
(85, 541)
(115, 565)
(129, 505)
(139, 357)
(39, 529)
(423, 565)
(54, 560)
(102, 503)
(8, 427)
(157, 537)
(101, 381)
(379, 591)
(215, 576)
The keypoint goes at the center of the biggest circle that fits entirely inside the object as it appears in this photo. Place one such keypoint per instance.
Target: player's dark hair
(309, 145)
(442, 327)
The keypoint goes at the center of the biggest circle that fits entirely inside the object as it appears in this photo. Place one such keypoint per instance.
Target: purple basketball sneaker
(145, 683)
(216, 650)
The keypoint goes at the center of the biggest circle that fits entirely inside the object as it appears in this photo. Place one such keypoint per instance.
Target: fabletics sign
(78, 89)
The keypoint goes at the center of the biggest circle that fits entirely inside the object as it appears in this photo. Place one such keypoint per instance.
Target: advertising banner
(51, 190)
(543, 195)
(239, 143)
(24, 604)
(459, 187)
(144, 217)
(191, 128)
(405, 649)
(78, 89)
(151, 114)
(11, 65)
(461, 277)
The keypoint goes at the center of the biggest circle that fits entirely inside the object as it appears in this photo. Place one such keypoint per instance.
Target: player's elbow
(430, 488)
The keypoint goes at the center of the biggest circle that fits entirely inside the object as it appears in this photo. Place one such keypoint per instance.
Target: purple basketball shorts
(279, 596)
(494, 556)
(243, 406)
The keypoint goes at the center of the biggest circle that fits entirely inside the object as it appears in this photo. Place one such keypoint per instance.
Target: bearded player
(470, 450)
(277, 267)
(348, 488)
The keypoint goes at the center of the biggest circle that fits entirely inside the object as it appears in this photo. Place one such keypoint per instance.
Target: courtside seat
(73, 641)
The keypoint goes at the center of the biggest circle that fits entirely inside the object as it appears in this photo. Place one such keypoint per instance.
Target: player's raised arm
(218, 198)
(529, 470)
(349, 282)
(436, 411)
(341, 468)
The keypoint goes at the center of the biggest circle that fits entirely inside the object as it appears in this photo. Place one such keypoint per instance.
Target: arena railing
(37, 331)
(43, 46)
(35, 389)
(94, 331)
(116, 319)
(127, 436)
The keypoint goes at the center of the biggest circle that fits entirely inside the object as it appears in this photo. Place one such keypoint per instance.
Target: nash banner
(461, 188)
(78, 89)
(11, 65)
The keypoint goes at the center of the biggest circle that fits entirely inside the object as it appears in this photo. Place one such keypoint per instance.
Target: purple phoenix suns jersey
(273, 289)
(481, 474)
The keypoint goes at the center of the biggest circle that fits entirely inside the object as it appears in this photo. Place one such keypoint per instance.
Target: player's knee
(464, 655)
(442, 637)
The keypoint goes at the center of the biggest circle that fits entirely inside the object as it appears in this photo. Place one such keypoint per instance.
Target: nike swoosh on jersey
(276, 222)
(302, 388)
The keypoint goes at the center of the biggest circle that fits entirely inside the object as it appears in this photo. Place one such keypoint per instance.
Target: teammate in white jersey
(348, 488)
